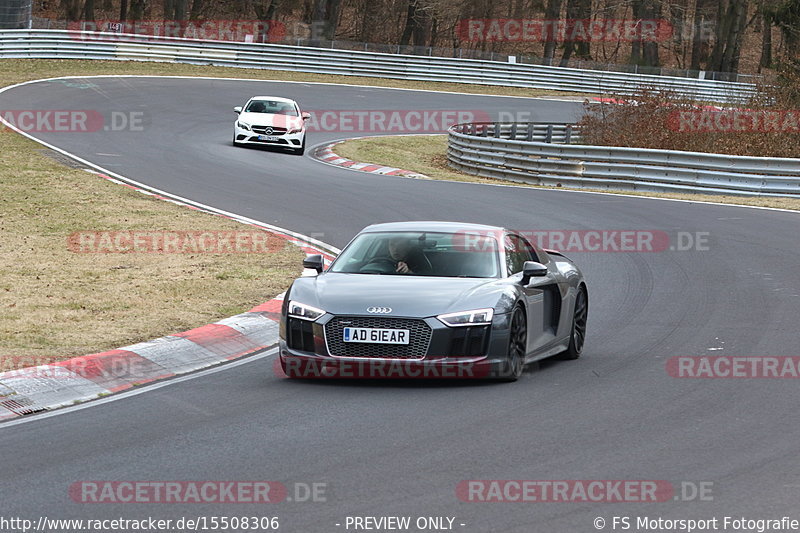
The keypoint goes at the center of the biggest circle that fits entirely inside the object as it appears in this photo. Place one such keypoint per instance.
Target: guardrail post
(485, 130)
(529, 136)
(513, 131)
(568, 134)
(548, 137)
(496, 130)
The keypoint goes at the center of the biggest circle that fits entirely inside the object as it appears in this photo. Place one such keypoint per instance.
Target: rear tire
(578, 336)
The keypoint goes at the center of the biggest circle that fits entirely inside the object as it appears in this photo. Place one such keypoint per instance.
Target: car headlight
(477, 317)
(243, 125)
(304, 312)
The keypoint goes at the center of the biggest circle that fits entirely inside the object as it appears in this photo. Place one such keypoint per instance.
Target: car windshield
(461, 254)
(272, 107)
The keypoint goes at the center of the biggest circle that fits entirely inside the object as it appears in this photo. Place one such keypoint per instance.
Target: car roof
(274, 98)
(430, 225)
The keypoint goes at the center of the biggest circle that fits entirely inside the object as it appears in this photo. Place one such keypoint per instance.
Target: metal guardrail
(527, 131)
(66, 44)
(300, 34)
(499, 154)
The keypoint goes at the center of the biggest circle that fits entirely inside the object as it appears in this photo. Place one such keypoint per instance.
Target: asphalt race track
(398, 448)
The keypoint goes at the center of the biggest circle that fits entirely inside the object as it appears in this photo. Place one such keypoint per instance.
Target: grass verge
(427, 155)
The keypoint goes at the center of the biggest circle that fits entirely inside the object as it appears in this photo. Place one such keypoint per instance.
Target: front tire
(235, 143)
(302, 149)
(517, 345)
(578, 336)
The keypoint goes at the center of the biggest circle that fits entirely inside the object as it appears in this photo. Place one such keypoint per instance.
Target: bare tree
(644, 51)
(552, 13)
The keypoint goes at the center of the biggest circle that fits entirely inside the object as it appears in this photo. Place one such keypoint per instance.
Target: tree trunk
(576, 10)
(651, 12)
(334, 8)
(723, 27)
(411, 21)
(88, 10)
(137, 9)
(730, 57)
(699, 38)
(421, 32)
(180, 9)
(552, 13)
(766, 41)
(645, 51)
(197, 9)
(72, 9)
(123, 10)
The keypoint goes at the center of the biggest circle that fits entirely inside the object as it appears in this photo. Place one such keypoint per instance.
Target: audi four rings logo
(379, 310)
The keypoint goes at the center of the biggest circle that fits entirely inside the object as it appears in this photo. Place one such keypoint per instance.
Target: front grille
(262, 130)
(417, 348)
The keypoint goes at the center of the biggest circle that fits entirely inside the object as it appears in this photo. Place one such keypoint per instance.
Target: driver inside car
(409, 259)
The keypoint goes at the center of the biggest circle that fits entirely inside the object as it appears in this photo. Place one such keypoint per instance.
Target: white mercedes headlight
(243, 125)
(304, 312)
(478, 317)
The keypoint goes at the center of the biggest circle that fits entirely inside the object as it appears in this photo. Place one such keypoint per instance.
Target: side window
(517, 252)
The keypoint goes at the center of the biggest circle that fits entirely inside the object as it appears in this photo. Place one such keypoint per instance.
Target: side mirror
(237, 109)
(532, 269)
(305, 115)
(314, 262)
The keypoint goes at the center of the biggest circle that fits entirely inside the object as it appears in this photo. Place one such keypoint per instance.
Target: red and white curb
(45, 387)
(326, 155)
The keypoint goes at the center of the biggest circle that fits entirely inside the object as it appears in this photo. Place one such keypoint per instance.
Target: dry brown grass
(55, 303)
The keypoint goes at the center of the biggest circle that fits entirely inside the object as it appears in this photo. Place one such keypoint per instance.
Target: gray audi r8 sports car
(436, 300)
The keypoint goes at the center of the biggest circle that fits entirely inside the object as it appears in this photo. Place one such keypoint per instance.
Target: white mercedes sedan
(271, 121)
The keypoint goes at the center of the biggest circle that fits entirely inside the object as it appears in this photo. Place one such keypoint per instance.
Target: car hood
(269, 119)
(417, 296)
